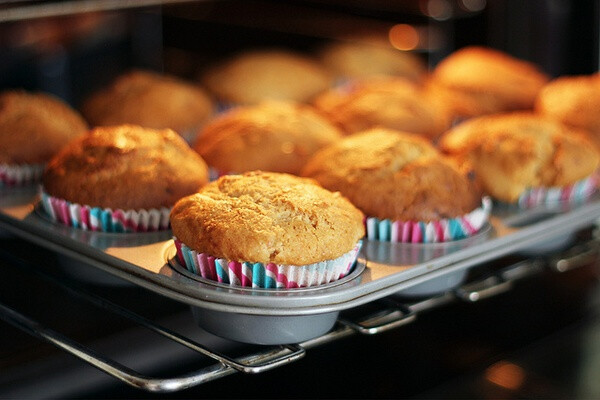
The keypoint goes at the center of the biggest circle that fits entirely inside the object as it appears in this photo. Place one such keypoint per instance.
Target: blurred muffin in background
(276, 136)
(366, 57)
(408, 191)
(574, 101)
(33, 127)
(121, 178)
(524, 158)
(479, 80)
(394, 103)
(266, 74)
(150, 100)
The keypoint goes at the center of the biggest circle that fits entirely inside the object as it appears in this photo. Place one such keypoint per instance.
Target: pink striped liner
(443, 230)
(104, 219)
(575, 192)
(271, 276)
(20, 175)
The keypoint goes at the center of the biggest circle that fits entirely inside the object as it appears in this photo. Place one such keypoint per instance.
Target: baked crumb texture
(526, 158)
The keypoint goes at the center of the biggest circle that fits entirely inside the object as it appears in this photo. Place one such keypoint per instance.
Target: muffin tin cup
(401, 254)
(265, 276)
(104, 219)
(576, 192)
(443, 230)
(19, 175)
(266, 329)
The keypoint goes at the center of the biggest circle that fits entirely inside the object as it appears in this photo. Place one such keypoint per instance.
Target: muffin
(406, 188)
(277, 136)
(267, 74)
(33, 127)
(393, 103)
(479, 80)
(268, 230)
(524, 158)
(150, 100)
(574, 101)
(366, 57)
(121, 178)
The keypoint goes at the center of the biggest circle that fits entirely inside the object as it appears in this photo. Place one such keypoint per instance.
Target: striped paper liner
(104, 219)
(19, 175)
(269, 276)
(578, 191)
(443, 230)
(214, 173)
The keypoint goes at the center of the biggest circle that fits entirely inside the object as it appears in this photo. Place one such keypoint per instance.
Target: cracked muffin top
(479, 80)
(266, 74)
(126, 167)
(574, 101)
(394, 175)
(269, 218)
(34, 126)
(277, 136)
(150, 100)
(388, 102)
(359, 57)
(515, 151)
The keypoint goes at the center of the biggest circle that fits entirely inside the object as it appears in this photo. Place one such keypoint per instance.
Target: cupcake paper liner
(18, 175)
(443, 230)
(578, 191)
(104, 219)
(214, 173)
(266, 276)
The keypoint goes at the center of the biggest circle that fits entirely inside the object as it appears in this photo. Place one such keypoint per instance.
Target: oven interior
(519, 327)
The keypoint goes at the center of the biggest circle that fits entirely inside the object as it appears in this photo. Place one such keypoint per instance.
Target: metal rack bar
(391, 313)
(20, 12)
(287, 353)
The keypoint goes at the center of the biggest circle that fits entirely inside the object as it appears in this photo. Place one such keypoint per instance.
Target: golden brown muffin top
(268, 218)
(365, 57)
(273, 136)
(394, 175)
(574, 101)
(393, 103)
(483, 80)
(126, 167)
(515, 151)
(273, 74)
(150, 100)
(34, 126)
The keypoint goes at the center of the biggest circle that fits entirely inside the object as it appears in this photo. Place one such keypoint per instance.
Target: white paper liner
(269, 276)
(104, 219)
(19, 175)
(443, 230)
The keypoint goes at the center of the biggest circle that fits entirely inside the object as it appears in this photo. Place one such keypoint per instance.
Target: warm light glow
(506, 375)
(474, 5)
(404, 37)
(439, 9)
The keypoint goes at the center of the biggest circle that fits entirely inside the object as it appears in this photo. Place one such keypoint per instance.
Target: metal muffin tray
(276, 316)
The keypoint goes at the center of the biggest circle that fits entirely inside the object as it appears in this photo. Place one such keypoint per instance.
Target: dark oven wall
(73, 55)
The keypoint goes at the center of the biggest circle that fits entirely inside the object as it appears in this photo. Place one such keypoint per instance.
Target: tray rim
(503, 241)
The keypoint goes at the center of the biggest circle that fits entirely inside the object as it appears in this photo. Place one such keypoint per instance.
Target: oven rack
(381, 315)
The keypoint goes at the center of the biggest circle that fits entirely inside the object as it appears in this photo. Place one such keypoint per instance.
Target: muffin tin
(255, 316)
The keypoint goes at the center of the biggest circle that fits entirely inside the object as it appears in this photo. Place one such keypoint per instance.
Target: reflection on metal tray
(143, 258)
